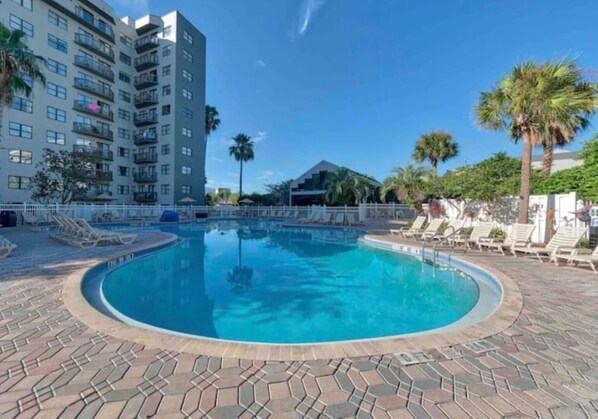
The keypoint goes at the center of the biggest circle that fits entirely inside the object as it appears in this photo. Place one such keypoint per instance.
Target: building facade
(561, 160)
(130, 92)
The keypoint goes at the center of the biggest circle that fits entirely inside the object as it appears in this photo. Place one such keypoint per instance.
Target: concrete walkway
(53, 365)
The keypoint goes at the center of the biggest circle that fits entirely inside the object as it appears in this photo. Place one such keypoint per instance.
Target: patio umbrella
(187, 200)
(246, 201)
(104, 196)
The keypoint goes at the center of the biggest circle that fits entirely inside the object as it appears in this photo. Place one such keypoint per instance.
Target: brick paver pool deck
(52, 364)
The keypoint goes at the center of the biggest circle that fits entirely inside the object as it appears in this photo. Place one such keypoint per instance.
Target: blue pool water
(253, 281)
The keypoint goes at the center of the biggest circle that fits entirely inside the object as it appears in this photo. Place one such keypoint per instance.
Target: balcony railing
(146, 43)
(94, 88)
(145, 80)
(95, 67)
(95, 23)
(146, 61)
(141, 158)
(94, 45)
(142, 177)
(94, 151)
(98, 111)
(93, 130)
(145, 136)
(142, 119)
(145, 99)
(145, 196)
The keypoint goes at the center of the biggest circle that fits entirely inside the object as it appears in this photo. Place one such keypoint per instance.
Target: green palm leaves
(437, 146)
(212, 120)
(242, 151)
(345, 187)
(407, 183)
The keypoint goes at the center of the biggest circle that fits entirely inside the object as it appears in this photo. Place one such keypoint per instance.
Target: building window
(124, 96)
(166, 70)
(187, 56)
(165, 169)
(20, 130)
(27, 4)
(165, 129)
(57, 20)
(166, 90)
(166, 110)
(188, 37)
(21, 25)
(186, 189)
(165, 189)
(166, 31)
(166, 51)
(54, 137)
(124, 58)
(18, 182)
(187, 113)
(124, 77)
(187, 75)
(125, 40)
(186, 132)
(124, 152)
(124, 115)
(186, 151)
(186, 170)
(56, 67)
(57, 43)
(22, 104)
(56, 114)
(122, 189)
(187, 94)
(125, 134)
(165, 149)
(55, 90)
(123, 171)
(19, 156)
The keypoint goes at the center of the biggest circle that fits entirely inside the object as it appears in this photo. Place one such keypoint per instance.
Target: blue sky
(356, 82)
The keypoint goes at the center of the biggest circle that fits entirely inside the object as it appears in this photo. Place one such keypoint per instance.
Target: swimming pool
(255, 281)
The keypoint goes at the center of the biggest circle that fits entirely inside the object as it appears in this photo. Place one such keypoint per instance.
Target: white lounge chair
(351, 219)
(6, 247)
(339, 218)
(106, 235)
(416, 227)
(481, 231)
(564, 242)
(577, 258)
(430, 232)
(450, 232)
(327, 218)
(520, 236)
(71, 233)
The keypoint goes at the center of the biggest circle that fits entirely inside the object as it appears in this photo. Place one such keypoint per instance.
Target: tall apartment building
(131, 92)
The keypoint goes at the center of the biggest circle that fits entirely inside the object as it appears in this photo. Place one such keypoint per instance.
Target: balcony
(145, 136)
(94, 88)
(142, 158)
(146, 61)
(94, 151)
(146, 43)
(142, 119)
(145, 196)
(96, 24)
(103, 50)
(95, 67)
(93, 131)
(144, 99)
(98, 111)
(142, 177)
(145, 80)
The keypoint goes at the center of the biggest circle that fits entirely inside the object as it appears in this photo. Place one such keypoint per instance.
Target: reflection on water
(254, 281)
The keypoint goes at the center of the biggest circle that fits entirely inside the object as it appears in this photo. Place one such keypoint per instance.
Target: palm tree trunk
(547, 158)
(526, 170)
(434, 165)
(241, 180)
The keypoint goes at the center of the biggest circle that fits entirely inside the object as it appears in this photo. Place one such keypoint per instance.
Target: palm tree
(407, 183)
(437, 146)
(242, 151)
(363, 188)
(17, 64)
(530, 102)
(339, 187)
(212, 120)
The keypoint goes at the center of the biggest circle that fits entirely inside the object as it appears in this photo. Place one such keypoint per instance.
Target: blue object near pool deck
(255, 281)
(169, 216)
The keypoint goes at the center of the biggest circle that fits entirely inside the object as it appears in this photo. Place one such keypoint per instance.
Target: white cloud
(308, 10)
(216, 159)
(260, 63)
(261, 136)
(266, 175)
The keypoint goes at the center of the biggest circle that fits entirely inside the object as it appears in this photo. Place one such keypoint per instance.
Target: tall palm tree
(339, 187)
(242, 151)
(407, 183)
(529, 102)
(212, 120)
(363, 188)
(436, 146)
(17, 64)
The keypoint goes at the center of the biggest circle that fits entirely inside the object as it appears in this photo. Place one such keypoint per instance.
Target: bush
(497, 233)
